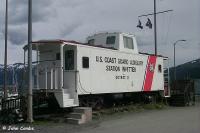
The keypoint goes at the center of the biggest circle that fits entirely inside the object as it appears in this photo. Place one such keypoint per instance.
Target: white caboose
(109, 63)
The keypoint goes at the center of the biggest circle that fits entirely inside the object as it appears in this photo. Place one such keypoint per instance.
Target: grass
(127, 109)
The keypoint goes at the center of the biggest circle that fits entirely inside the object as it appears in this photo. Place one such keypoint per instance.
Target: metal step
(65, 100)
(68, 102)
(66, 95)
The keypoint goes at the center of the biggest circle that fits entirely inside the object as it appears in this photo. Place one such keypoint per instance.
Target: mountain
(189, 70)
(15, 74)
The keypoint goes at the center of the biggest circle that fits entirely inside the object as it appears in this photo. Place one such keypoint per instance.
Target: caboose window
(110, 40)
(91, 42)
(85, 62)
(57, 56)
(159, 68)
(128, 42)
(69, 60)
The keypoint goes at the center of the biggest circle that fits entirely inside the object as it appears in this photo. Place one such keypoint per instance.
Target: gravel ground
(170, 120)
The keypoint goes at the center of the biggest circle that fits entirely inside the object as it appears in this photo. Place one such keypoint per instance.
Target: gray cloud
(19, 11)
(17, 35)
(1, 36)
(18, 15)
(74, 3)
(69, 29)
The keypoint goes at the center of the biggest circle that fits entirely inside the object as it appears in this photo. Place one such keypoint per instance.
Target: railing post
(54, 78)
(62, 66)
(51, 78)
(46, 78)
(37, 67)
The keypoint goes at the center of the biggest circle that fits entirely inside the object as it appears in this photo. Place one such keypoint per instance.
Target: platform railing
(47, 75)
(12, 103)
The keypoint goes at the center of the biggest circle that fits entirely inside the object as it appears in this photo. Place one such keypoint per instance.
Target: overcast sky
(76, 19)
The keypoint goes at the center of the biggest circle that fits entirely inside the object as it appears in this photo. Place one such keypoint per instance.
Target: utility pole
(175, 61)
(30, 86)
(6, 51)
(155, 28)
(175, 56)
(155, 23)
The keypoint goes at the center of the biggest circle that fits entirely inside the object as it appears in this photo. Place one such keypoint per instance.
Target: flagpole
(155, 28)
(30, 101)
(6, 51)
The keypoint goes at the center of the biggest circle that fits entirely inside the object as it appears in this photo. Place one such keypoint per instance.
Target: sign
(119, 65)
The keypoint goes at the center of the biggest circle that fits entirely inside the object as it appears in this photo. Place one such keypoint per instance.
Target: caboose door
(69, 77)
(70, 71)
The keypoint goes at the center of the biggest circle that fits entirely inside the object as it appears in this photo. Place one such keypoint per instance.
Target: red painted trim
(149, 73)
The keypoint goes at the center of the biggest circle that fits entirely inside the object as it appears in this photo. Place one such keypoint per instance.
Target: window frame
(91, 40)
(126, 40)
(86, 60)
(159, 68)
(58, 57)
(110, 40)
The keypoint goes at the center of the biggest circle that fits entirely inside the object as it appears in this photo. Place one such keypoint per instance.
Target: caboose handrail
(51, 73)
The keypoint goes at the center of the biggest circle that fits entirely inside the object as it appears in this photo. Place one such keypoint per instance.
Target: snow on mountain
(15, 73)
(17, 66)
(1, 66)
(13, 66)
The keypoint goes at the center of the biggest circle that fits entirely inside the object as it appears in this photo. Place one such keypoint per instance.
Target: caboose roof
(59, 42)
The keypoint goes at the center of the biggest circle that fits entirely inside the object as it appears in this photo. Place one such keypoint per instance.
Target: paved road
(171, 120)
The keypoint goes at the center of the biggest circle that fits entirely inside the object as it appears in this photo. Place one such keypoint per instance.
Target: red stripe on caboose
(149, 73)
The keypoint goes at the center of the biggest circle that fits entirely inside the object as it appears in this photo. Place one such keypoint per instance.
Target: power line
(150, 14)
